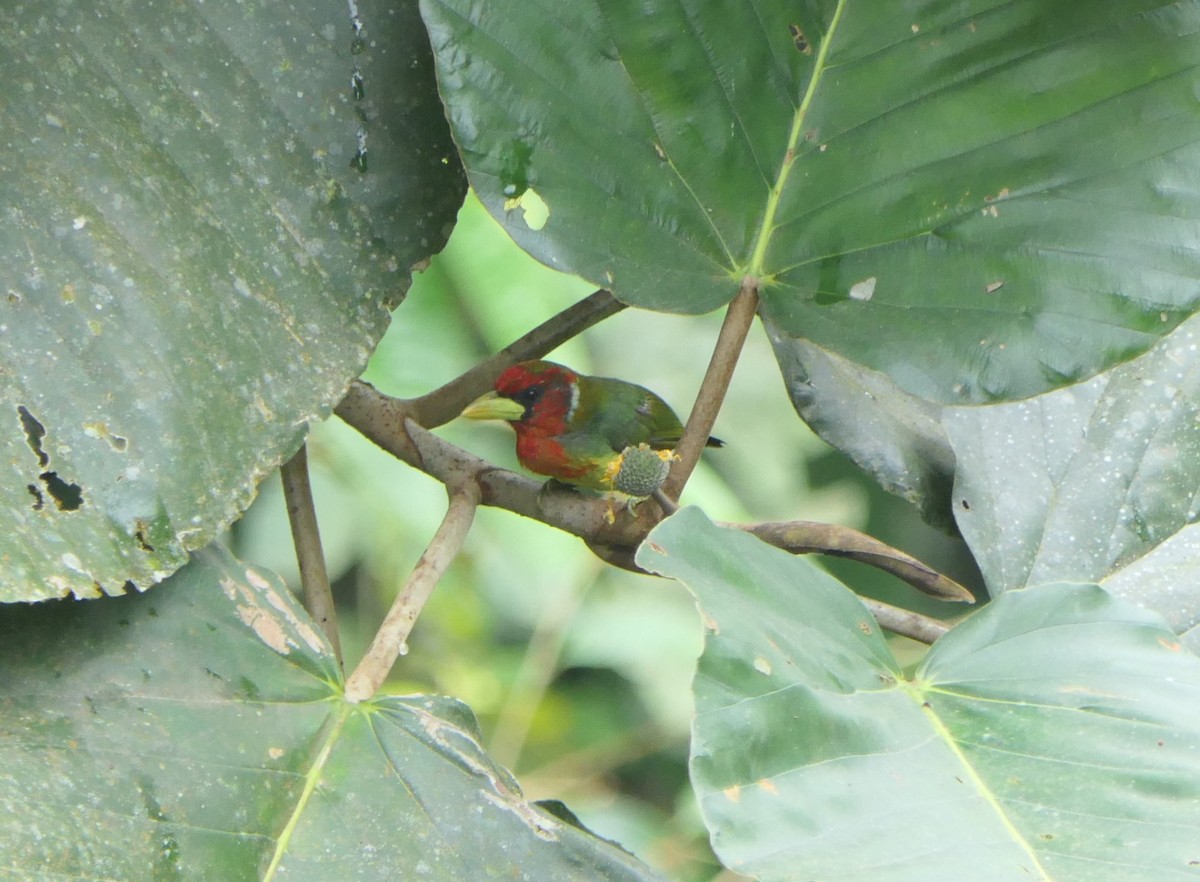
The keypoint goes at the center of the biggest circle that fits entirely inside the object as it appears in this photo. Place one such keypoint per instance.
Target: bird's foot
(551, 487)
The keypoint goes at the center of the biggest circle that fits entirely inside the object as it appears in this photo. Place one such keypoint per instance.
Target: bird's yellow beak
(492, 407)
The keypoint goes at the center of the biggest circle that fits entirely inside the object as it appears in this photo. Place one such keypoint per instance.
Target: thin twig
(446, 402)
(314, 579)
(906, 623)
(738, 319)
(391, 640)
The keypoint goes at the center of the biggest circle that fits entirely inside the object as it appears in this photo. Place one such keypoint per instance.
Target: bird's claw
(551, 487)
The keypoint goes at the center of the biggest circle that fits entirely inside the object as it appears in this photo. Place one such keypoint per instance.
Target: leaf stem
(391, 640)
(306, 537)
(738, 318)
(905, 622)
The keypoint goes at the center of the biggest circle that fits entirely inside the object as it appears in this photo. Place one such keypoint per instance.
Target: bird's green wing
(626, 415)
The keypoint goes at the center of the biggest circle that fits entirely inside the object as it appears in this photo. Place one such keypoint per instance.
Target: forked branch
(383, 420)
(400, 427)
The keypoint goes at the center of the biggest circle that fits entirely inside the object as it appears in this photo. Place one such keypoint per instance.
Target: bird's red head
(549, 393)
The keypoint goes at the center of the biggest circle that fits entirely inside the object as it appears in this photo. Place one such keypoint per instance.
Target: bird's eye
(528, 396)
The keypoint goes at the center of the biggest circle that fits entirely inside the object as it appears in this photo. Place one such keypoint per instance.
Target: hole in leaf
(799, 39)
(140, 535)
(68, 497)
(34, 433)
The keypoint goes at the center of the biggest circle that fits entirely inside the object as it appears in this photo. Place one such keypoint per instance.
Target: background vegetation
(967, 235)
(579, 672)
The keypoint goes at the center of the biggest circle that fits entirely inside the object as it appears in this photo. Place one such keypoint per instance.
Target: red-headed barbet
(580, 429)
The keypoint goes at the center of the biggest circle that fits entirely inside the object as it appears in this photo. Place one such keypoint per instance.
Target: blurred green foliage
(579, 673)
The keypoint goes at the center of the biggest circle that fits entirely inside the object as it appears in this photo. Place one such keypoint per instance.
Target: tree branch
(738, 319)
(384, 421)
(391, 640)
(306, 537)
(446, 402)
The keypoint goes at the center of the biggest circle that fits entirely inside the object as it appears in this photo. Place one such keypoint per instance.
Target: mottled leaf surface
(1097, 482)
(199, 732)
(196, 256)
(1054, 735)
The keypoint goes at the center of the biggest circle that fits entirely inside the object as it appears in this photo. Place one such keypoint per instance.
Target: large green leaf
(983, 201)
(895, 437)
(1095, 482)
(196, 257)
(1055, 735)
(199, 733)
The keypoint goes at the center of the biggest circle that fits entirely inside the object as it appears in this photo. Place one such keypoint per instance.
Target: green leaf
(192, 263)
(982, 201)
(1054, 735)
(199, 732)
(1095, 482)
(895, 437)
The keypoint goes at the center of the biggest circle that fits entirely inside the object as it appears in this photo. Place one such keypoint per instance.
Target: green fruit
(642, 470)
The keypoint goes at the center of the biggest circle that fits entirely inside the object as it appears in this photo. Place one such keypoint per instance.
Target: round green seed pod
(642, 470)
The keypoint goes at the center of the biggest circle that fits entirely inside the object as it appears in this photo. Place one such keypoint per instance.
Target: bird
(578, 429)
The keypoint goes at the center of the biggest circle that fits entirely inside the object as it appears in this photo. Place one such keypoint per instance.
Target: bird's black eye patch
(528, 396)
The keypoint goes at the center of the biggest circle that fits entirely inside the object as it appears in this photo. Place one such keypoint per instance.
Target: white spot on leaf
(863, 290)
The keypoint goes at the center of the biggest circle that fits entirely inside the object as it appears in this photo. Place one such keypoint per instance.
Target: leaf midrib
(312, 779)
(762, 238)
(980, 786)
